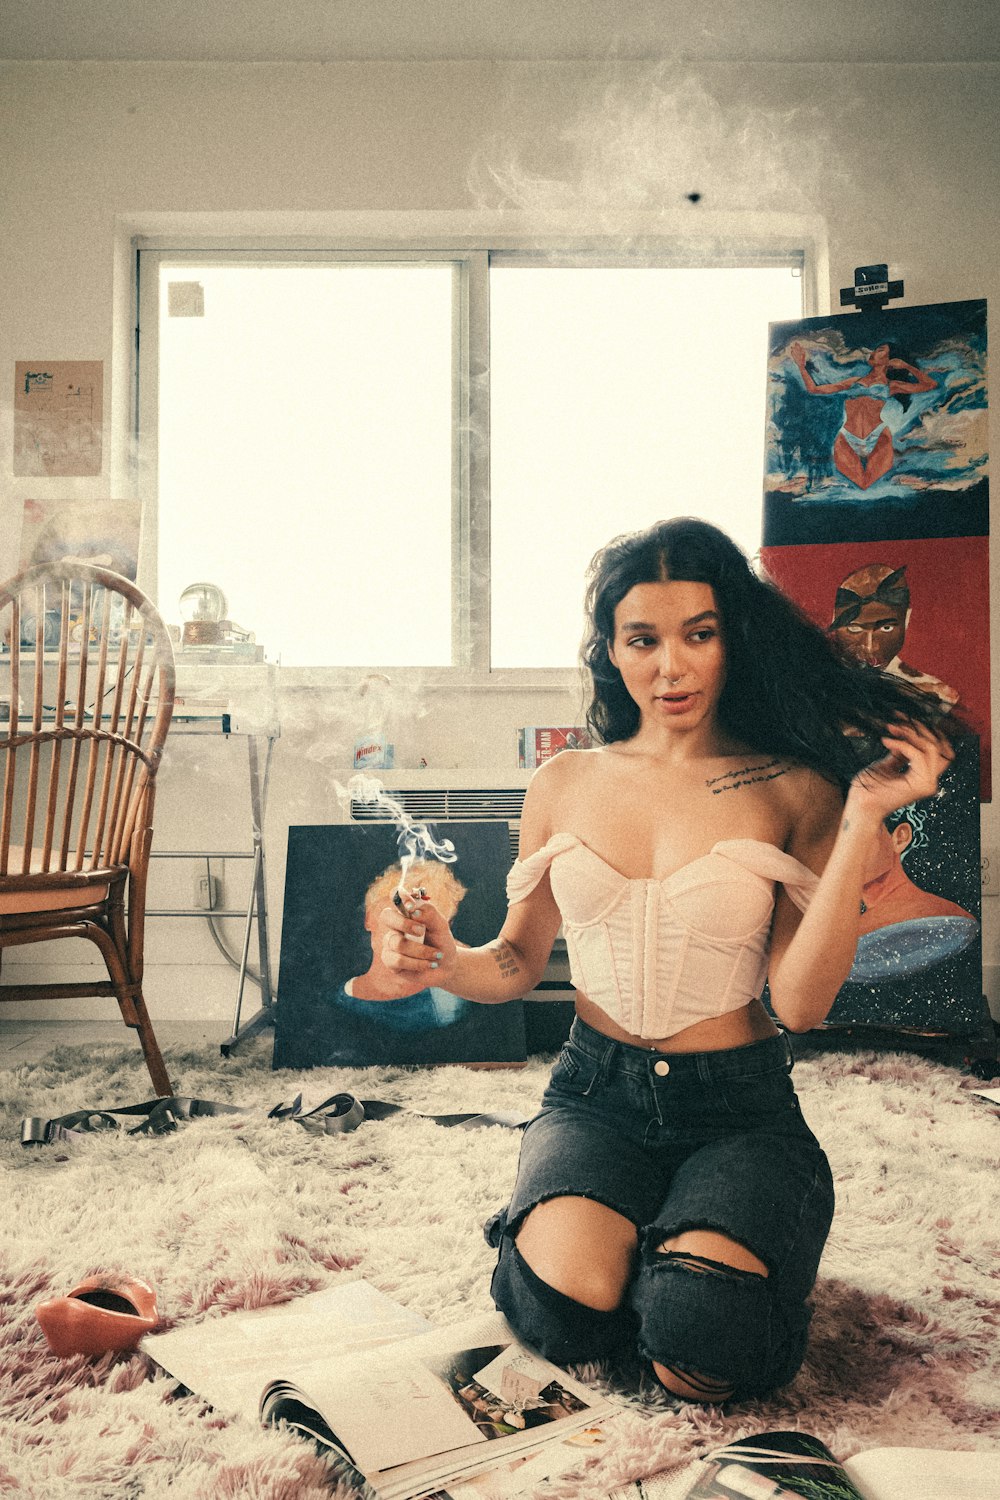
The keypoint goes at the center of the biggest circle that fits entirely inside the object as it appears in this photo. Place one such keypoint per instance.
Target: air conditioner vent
(439, 804)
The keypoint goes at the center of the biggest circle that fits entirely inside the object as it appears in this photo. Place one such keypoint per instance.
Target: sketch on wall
(58, 416)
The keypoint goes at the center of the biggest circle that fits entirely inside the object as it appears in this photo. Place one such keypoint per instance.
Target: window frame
(472, 258)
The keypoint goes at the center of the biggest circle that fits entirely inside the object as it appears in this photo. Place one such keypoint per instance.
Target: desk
(239, 702)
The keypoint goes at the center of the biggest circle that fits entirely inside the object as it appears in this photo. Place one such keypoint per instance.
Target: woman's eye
(641, 640)
(702, 635)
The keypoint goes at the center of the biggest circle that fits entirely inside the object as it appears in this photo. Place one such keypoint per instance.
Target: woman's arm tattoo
(506, 962)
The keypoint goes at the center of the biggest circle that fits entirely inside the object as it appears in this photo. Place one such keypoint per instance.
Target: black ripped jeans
(676, 1141)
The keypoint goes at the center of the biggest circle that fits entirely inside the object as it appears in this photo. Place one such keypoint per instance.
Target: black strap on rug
(337, 1115)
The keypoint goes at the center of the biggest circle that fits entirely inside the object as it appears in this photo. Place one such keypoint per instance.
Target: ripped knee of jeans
(710, 1322)
(703, 1263)
(560, 1328)
(691, 1385)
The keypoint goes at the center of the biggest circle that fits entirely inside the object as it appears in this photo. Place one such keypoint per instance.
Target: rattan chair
(86, 696)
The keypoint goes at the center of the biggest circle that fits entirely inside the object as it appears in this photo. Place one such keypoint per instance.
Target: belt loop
(789, 1054)
(601, 1071)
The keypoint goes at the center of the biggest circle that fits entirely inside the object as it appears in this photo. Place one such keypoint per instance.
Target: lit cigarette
(418, 895)
(420, 931)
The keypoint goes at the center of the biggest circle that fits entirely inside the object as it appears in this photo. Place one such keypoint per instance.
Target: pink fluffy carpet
(242, 1211)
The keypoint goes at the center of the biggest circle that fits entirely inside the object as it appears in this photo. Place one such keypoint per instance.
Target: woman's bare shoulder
(571, 762)
(548, 792)
(811, 800)
(567, 769)
(555, 782)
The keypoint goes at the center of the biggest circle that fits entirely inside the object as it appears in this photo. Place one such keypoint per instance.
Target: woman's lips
(676, 703)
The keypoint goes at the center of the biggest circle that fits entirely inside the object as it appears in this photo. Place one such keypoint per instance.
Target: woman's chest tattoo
(748, 775)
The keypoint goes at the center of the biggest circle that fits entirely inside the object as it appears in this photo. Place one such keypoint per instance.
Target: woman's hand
(916, 760)
(414, 942)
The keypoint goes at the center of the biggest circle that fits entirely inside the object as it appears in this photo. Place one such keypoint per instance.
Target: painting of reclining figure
(877, 426)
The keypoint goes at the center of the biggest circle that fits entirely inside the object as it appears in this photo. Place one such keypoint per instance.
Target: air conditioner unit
(451, 796)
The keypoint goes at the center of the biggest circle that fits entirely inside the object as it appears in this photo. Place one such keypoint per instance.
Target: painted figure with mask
(871, 613)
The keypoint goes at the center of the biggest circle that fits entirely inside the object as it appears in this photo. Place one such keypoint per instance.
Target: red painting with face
(918, 609)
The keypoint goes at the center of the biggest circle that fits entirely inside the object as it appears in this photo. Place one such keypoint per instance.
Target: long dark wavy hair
(787, 690)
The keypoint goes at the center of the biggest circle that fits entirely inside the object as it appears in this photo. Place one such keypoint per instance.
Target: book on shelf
(787, 1465)
(410, 1407)
(536, 744)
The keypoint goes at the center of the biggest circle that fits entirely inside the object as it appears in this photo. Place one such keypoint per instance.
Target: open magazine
(410, 1410)
(526, 1470)
(786, 1465)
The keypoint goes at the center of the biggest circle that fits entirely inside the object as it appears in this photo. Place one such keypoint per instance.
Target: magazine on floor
(409, 1410)
(526, 1470)
(228, 1360)
(786, 1465)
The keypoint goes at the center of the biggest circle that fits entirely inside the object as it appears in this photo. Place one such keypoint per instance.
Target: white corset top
(659, 955)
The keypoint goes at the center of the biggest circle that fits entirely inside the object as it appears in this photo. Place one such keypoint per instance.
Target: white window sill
(418, 679)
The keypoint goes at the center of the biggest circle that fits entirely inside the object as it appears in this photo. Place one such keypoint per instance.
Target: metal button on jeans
(661, 1067)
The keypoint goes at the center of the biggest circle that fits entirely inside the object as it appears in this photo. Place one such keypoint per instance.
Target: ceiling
(877, 31)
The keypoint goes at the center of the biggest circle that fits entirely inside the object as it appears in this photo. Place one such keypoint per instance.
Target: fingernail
(433, 966)
(438, 957)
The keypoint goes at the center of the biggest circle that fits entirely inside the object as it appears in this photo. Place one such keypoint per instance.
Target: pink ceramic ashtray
(101, 1314)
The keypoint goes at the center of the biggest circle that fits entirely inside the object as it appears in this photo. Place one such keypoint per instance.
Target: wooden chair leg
(133, 1008)
(150, 1050)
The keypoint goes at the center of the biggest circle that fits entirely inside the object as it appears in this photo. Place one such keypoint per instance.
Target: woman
(670, 1193)
(862, 449)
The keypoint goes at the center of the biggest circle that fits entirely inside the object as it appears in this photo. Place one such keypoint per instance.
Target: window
(408, 459)
(619, 396)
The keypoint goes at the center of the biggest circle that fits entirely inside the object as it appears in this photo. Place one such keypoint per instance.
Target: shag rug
(240, 1211)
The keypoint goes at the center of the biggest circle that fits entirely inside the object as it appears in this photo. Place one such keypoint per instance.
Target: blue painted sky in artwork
(910, 947)
(939, 436)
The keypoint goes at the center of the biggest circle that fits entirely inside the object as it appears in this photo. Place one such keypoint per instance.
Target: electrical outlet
(990, 865)
(207, 892)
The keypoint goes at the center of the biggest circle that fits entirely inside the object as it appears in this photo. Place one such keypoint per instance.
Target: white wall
(895, 164)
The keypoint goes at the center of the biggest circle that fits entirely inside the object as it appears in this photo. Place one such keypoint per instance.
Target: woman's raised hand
(414, 940)
(912, 768)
